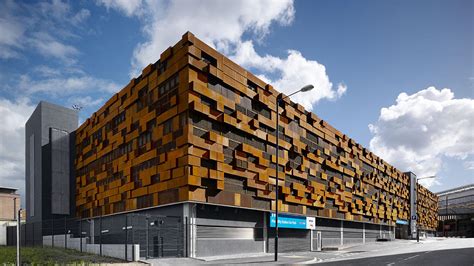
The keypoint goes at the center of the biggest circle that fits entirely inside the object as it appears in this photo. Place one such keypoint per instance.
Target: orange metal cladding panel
(210, 125)
(120, 149)
(232, 112)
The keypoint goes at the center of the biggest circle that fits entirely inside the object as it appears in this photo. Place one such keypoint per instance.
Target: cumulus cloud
(292, 73)
(13, 116)
(230, 27)
(420, 129)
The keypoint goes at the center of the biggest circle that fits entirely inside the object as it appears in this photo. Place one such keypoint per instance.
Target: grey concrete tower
(49, 149)
(413, 206)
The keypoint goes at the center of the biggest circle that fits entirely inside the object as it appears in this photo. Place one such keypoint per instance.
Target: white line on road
(390, 264)
(409, 258)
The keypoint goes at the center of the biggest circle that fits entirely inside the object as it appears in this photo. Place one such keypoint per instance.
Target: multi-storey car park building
(192, 140)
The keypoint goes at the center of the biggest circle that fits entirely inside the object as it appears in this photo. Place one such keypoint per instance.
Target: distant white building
(9, 206)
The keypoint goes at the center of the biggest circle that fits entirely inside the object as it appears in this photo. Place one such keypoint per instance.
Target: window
(252, 85)
(162, 66)
(118, 119)
(228, 110)
(182, 120)
(208, 101)
(168, 85)
(144, 138)
(208, 59)
(167, 126)
(209, 164)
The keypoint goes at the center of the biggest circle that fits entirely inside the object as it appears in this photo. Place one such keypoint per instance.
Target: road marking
(409, 258)
(311, 261)
(390, 264)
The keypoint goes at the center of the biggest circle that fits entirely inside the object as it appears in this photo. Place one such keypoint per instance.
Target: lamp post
(417, 226)
(278, 101)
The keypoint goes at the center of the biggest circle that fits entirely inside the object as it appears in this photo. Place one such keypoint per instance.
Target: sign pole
(18, 219)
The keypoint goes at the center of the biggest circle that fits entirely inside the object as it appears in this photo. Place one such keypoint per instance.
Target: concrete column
(413, 212)
(92, 232)
(363, 233)
(342, 232)
(311, 237)
(193, 228)
(186, 222)
(265, 232)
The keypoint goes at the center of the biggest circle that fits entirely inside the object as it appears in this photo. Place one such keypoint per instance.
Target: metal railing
(157, 236)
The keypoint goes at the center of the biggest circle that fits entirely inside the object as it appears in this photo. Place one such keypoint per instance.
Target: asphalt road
(457, 257)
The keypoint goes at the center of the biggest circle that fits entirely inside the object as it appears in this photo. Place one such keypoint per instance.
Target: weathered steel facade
(195, 126)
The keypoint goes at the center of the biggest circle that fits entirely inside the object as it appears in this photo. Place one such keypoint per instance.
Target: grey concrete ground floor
(197, 230)
(429, 251)
(203, 230)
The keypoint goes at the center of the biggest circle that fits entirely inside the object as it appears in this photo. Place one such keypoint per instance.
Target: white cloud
(13, 116)
(420, 129)
(86, 101)
(48, 46)
(128, 7)
(225, 25)
(219, 23)
(10, 32)
(46, 71)
(469, 165)
(292, 72)
(62, 86)
(80, 16)
(43, 27)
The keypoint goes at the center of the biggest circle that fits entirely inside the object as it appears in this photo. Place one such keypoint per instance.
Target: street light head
(307, 88)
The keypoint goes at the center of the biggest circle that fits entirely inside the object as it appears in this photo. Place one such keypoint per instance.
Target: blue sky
(397, 76)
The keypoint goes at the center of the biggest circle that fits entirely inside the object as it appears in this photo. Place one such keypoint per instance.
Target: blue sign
(295, 222)
(402, 222)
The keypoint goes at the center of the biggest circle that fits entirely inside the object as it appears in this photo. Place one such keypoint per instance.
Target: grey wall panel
(31, 174)
(60, 172)
(223, 232)
(217, 247)
(33, 167)
(290, 240)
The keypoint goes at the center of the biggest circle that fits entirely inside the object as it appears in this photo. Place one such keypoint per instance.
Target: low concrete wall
(109, 250)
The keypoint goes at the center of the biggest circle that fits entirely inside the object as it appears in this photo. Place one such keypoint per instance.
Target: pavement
(463, 256)
(430, 251)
